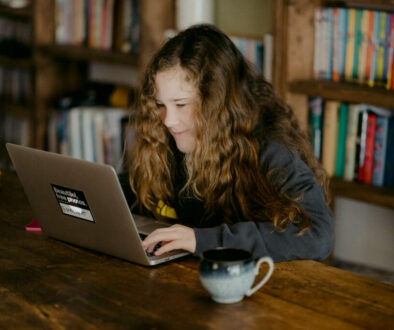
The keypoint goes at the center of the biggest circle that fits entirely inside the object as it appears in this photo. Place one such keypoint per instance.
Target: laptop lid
(82, 203)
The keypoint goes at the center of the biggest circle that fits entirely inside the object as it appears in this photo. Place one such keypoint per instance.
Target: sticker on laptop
(72, 202)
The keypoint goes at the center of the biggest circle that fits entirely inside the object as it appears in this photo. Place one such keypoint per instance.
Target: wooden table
(48, 284)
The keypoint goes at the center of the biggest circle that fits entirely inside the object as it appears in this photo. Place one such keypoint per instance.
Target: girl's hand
(176, 237)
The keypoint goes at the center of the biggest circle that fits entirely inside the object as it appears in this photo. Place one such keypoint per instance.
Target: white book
(351, 140)
(268, 55)
(74, 133)
(87, 134)
(99, 137)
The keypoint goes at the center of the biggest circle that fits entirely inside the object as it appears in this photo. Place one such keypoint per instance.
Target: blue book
(389, 165)
(343, 16)
(341, 142)
(380, 149)
(387, 59)
(358, 36)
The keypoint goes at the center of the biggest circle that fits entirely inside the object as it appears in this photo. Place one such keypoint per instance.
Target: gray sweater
(260, 238)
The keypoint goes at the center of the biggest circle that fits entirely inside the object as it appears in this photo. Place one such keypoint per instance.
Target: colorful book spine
(341, 142)
(369, 148)
(350, 45)
(362, 57)
(330, 131)
(357, 42)
(317, 57)
(375, 41)
(369, 50)
(389, 166)
(351, 142)
(343, 24)
(315, 106)
(379, 156)
(381, 48)
(335, 46)
(390, 60)
(387, 59)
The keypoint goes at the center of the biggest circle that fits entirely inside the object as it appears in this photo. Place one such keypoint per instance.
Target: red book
(369, 148)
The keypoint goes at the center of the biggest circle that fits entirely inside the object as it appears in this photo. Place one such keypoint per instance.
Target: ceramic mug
(228, 273)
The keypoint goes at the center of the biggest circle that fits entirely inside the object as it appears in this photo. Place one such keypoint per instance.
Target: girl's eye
(159, 105)
(180, 105)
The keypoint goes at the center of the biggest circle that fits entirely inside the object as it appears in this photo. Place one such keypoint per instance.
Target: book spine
(343, 23)
(390, 59)
(350, 45)
(357, 43)
(387, 48)
(389, 166)
(341, 143)
(318, 17)
(315, 106)
(379, 156)
(363, 141)
(330, 131)
(381, 48)
(351, 141)
(369, 148)
(335, 46)
(375, 40)
(362, 58)
(369, 49)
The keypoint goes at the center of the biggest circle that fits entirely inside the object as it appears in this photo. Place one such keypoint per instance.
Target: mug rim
(244, 260)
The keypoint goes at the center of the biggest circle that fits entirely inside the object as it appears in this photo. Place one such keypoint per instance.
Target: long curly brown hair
(223, 170)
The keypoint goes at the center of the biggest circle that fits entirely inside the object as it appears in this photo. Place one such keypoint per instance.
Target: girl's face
(177, 97)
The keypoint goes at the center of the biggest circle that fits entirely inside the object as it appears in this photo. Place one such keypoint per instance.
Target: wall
(364, 233)
(244, 17)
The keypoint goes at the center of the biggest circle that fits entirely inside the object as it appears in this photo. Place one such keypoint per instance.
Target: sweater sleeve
(260, 238)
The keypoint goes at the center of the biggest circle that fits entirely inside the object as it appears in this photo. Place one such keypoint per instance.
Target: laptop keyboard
(157, 246)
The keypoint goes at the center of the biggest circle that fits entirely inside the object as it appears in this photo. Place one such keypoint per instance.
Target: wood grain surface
(47, 284)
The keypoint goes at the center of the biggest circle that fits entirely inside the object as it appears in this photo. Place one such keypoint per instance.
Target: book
(330, 131)
(350, 45)
(369, 148)
(341, 142)
(389, 165)
(327, 36)
(317, 57)
(369, 47)
(387, 45)
(362, 133)
(381, 48)
(380, 146)
(335, 46)
(362, 57)
(357, 42)
(351, 141)
(375, 40)
(315, 111)
(390, 59)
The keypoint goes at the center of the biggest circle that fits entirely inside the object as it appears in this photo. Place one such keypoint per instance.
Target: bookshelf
(57, 69)
(294, 33)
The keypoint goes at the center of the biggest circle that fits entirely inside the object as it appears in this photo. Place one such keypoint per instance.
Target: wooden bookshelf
(344, 92)
(381, 196)
(17, 63)
(77, 53)
(16, 12)
(294, 26)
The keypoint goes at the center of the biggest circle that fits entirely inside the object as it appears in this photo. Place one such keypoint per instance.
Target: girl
(217, 151)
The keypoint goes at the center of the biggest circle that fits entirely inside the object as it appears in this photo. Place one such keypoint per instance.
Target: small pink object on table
(33, 226)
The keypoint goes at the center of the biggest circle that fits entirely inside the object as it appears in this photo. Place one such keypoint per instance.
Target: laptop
(82, 203)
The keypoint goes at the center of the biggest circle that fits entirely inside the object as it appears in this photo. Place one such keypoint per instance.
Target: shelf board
(381, 196)
(344, 92)
(19, 63)
(15, 109)
(79, 53)
(16, 12)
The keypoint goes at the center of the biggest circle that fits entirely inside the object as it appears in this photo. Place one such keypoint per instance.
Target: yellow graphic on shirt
(165, 210)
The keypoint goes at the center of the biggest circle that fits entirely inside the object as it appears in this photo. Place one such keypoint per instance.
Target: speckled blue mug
(228, 274)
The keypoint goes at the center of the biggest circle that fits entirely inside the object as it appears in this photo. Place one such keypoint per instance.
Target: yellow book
(330, 132)
(350, 45)
(381, 46)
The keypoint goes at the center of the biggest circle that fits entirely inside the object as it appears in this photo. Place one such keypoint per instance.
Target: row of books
(91, 23)
(354, 45)
(94, 134)
(85, 22)
(15, 85)
(14, 129)
(353, 141)
(13, 29)
(258, 53)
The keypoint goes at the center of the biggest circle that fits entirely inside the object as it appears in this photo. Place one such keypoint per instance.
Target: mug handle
(270, 263)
